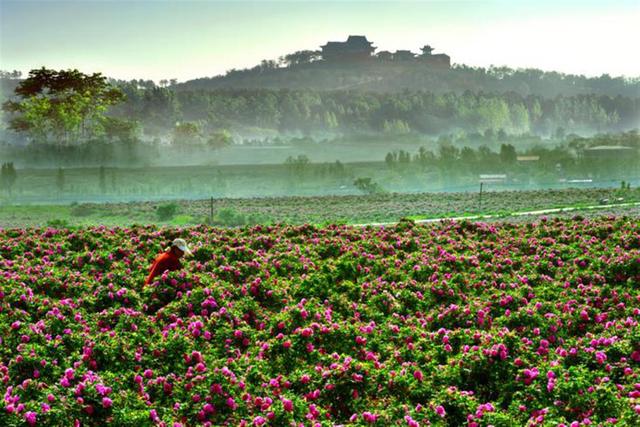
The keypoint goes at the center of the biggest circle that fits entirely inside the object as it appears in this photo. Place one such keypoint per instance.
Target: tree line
(347, 112)
(68, 107)
(293, 72)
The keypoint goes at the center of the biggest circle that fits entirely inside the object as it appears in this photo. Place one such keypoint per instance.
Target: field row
(319, 210)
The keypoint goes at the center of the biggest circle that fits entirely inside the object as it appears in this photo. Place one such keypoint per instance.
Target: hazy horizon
(189, 39)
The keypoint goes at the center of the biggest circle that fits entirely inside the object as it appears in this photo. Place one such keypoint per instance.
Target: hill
(377, 76)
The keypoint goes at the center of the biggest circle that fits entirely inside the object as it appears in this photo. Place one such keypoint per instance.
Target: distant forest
(322, 101)
(310, 112)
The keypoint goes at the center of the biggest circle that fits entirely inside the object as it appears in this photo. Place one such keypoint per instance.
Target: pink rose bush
(456, 323)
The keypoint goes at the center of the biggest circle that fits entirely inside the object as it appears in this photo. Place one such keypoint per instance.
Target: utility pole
(480, 199)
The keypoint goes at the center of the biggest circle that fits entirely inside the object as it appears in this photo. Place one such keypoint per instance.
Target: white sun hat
(182, 245)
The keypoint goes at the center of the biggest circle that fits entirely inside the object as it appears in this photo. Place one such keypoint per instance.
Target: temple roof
(352, 42)
(361, 40)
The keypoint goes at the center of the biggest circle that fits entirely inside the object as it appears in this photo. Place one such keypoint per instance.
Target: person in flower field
(168, 260)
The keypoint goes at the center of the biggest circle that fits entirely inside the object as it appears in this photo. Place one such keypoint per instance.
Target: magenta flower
(258, 421)
(287, 404)
(106, 402)
(369, 417)
(30, 418)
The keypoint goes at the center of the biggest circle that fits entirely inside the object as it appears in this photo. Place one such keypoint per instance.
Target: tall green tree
(508, 154)
(186, 133)
(301, 57)
(64, 105)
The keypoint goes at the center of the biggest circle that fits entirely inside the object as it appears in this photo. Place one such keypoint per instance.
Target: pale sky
(156, 39)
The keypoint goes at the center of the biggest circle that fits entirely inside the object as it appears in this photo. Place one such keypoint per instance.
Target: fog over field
(353, 111)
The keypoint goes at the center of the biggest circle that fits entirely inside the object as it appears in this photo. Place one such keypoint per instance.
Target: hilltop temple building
(356, 48)
(359, 49)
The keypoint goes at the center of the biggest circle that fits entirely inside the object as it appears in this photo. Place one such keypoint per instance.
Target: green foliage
(220, 139)
(66, 105)
(433, 112)
(166, 211)
(58, 223)
(297, 165)
(398, 158)
(231, 217)
(300, 57)
(80, 210)
(182, 220)
(395, 127)
(123, 130)
(186, 133)
(8, 176)
(367, 186)
(508, 154)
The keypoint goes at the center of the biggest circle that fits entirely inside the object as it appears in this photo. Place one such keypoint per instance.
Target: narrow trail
(511, 214)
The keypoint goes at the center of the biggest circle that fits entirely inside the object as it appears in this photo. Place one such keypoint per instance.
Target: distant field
(297, 210)
(50, 186)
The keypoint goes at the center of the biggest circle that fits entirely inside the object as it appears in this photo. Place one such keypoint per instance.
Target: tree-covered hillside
(347, 111)
(415, 76)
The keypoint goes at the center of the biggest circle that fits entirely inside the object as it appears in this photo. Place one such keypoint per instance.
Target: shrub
(167, 211)
(81, 210)
(367, 186)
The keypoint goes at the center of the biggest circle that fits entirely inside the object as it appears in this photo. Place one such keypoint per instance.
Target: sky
(164, 39)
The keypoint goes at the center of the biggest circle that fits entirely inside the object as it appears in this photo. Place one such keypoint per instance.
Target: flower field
(450, 324)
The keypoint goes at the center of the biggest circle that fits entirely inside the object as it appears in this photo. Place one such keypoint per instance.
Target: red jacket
(163, 262)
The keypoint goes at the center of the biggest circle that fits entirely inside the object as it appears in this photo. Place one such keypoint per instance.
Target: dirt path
(513, 214)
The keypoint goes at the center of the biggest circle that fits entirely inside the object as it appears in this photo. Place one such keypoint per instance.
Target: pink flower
(106, 402)
(287, 404)
(551, 385)
(369, 417)
(69, 373)
(530, 375)
(30, 418)
(440, 411)
(231, 403)
(411, 422)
